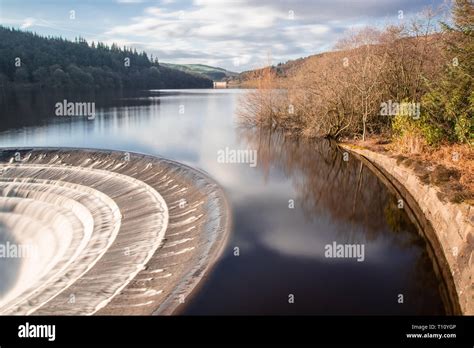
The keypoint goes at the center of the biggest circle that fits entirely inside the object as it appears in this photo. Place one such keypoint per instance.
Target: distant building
(220, 84)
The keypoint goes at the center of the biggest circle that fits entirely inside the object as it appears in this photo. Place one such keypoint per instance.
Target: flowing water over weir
(108, 232)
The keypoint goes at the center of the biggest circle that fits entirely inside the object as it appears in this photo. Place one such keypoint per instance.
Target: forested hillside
(28, 60)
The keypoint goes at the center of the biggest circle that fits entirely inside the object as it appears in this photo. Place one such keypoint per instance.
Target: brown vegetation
(349, 94)
(449, 167)
(340, 93)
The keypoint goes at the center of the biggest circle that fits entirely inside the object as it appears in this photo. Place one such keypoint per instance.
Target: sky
(234, 34)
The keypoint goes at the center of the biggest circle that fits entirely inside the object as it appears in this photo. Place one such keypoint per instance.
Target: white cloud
(245, 31)
(234, 33)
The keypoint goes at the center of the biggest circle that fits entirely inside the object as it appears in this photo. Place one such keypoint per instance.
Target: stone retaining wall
(452, 224)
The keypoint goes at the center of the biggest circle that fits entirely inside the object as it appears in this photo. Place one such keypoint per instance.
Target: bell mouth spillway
(106, 232)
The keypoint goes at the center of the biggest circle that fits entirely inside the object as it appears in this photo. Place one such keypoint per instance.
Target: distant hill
(32, 61)
(291, 67)
(283, 70)
(210, 72)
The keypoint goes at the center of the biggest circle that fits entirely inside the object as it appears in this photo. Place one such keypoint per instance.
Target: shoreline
(181, 215)
(447, 227)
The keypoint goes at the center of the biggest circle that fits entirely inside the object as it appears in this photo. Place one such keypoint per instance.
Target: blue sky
(234, 34)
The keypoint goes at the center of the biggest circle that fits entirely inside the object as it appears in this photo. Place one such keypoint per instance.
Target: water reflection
(335, 200)
(326, 183)
(281, 250)
(25, 108)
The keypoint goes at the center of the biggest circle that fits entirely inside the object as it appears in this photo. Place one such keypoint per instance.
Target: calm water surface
(281, 249)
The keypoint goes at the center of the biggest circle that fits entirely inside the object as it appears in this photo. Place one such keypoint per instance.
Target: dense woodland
(28, 60)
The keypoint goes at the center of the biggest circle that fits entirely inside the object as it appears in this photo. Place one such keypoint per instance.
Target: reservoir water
(294, 202)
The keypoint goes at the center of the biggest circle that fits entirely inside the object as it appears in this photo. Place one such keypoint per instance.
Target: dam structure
(108, 232)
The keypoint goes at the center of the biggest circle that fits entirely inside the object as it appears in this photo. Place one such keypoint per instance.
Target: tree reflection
(32, 108)
(328, 180)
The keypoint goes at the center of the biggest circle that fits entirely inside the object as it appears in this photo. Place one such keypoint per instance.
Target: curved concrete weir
(111, 232)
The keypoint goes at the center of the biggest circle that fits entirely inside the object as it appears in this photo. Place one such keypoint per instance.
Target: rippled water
(300, 197)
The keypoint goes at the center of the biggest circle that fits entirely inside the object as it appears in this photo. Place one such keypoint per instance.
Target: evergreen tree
(59, 63)
(450, 104)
